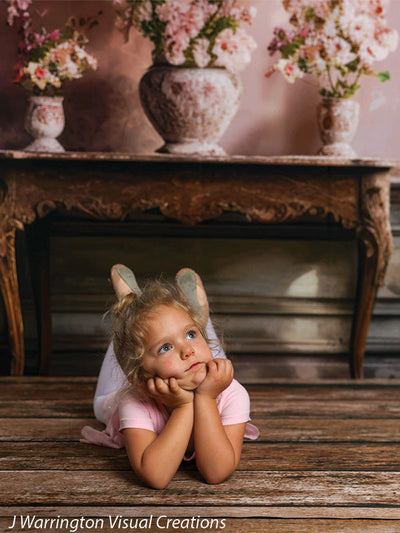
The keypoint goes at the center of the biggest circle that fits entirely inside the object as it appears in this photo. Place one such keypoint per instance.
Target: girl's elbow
(213, 474)
(214, 477)
(158, 484)
(154, 480)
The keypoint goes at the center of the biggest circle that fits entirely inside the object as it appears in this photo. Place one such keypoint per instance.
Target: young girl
(176, 401)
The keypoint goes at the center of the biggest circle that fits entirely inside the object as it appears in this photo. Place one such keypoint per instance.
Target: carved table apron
(268, 190)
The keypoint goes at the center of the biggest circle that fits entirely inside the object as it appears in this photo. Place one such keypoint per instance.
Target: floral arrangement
(191, 33)
(48, 59)
(337, 40)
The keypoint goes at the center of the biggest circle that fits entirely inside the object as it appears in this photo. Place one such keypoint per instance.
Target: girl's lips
(194, 365)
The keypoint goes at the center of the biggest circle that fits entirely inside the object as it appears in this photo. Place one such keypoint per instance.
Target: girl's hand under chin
(219, 377)
(168, 392)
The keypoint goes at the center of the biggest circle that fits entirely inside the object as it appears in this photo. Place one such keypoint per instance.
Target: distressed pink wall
(103, 110)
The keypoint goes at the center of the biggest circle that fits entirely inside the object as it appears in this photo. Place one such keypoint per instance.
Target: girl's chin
(193, 382)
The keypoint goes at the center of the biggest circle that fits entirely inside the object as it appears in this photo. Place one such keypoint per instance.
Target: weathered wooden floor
(327, 461)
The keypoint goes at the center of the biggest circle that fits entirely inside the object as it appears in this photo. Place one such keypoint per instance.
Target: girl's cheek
(167, 369)
(204, 349)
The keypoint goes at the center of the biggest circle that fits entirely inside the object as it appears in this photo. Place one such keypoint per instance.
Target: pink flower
(39, 38)
(54, 35)
(12, 14)
(17, 8)
(40, 73)
(23, 4)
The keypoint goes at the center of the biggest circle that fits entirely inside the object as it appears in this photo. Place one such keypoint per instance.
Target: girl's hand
(219, 377)
(168, 392)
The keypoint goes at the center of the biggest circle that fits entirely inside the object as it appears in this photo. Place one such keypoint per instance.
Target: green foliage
(303, 66)
(384, 76)
(340, 90)
(309, 14)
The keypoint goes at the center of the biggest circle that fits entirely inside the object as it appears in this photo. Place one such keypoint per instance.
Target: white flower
(360, 29)
(330, 27)
(290, 71)
(339, 51)
(200, 52)
(233, 50)
(143, 11)
(387, 38)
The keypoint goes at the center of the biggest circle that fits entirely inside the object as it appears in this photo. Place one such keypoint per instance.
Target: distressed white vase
(337, 121)
(45, 121)
(190, 108)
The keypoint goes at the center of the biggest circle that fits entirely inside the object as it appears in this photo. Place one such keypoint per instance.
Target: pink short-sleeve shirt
(130, 409)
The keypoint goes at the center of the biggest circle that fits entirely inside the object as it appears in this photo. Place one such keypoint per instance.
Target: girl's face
(175, 347)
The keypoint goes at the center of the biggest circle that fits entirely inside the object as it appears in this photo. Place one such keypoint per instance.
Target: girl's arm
(217, 447)
(156, 458)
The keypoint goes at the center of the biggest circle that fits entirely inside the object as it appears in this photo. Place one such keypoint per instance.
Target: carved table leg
(10, 293)
(375, 249)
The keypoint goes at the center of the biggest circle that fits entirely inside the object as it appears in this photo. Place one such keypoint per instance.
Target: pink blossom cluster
(184, 20)
(16, 9)
(337, 40)
(47, 59)
(198, 33)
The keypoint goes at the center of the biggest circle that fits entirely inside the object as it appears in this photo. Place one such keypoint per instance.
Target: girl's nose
(187, 350)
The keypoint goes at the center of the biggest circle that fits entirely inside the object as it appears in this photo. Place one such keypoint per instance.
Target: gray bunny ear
(123, 281)
(191, 287)
(186, 283)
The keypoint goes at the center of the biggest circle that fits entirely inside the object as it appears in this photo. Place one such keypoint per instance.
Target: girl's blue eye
(191, 334)
(165, 348)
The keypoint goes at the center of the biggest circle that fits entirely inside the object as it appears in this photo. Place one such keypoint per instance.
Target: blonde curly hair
(130, 325)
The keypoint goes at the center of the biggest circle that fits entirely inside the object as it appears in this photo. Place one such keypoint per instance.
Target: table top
(287, 160)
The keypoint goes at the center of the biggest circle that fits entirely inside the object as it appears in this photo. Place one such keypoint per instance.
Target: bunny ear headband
(123, 281)
(187, 281)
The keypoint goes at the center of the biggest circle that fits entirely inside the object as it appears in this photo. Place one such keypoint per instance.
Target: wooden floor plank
(48, 429)
(271, 430)
(157, 523)
(255, 511)
(327, 408)
(83, 408)
(255, 456)
(66, 408)
(46, 388)
(167, 523)
(372, 390)
(243, 488)
(43, 388)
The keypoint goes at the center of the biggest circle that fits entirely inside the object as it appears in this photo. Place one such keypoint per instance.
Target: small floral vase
(190, 107)
(45, 121)
(337, 121)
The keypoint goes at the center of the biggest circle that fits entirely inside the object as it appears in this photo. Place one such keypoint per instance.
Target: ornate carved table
(353, 194)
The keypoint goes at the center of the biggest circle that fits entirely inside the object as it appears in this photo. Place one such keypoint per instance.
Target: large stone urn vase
(190, 108)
